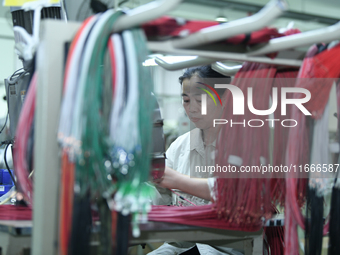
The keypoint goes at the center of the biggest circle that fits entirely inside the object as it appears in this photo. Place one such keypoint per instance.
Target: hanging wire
(8, 169)
(5, 123)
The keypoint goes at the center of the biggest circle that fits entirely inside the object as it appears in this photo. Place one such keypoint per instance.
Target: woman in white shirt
(189, 153)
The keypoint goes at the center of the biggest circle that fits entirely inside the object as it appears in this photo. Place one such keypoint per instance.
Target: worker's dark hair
(208, 76)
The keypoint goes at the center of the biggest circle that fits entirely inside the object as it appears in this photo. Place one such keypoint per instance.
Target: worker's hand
(170, 179)
(175, 180)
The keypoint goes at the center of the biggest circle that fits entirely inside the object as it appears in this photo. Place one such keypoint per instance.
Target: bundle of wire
(242, 198)
(334, 219)
(242, 203)
(319, 185)
(106, 146)
(322, 65)
(203, 215)
(284, 78)
(247, 143)
(68, 143)
(130, 153)
(25, 122)
(11, 212)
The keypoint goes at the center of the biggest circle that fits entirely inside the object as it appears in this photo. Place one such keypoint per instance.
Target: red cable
(66, 202)
(20, 149)
(13, 212)
(203, 215)
(113, 65)
(67, 170)
(181, 197)
(240, 197)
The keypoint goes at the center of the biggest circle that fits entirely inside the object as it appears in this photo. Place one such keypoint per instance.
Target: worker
(188, 154)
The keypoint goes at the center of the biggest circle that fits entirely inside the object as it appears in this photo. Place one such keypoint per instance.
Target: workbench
(15, 237)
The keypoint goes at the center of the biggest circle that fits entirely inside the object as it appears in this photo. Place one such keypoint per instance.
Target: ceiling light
(221, 17)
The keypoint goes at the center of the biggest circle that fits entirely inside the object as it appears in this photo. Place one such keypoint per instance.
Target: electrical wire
(64, 132)
(92, 134)
(70, 89)
(80, 10)
(25, 184)
(203, 215)
(13, 212)
(63, 8)
(77, 120)
(181, 197)
(5, 123)
(20, 69)
(71, 80)
(241, 196)
(9, 170)
(111, 49)
(119, 81)
(90, 138)
(9, 198)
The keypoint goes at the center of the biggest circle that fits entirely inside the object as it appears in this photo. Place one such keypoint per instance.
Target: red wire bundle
(274, 237)
(20, 149)
(242, 198)
(66, 202)
(283, 78)
(68, 167)
(203, 215)
(323, 65)
(13, 212)
(317, 74)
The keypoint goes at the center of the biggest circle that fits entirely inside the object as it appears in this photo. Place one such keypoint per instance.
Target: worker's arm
(193, 186)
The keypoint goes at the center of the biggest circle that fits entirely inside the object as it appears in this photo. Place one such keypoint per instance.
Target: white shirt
(188, 155)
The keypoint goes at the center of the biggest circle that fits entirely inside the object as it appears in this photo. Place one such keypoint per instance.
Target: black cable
(81, 226)
(80, 10)
(7, 99)
(9, 170)
(122, 234)
(30, 148)
(16, 73)
(5, 123)
(98, 6)
(105, 234)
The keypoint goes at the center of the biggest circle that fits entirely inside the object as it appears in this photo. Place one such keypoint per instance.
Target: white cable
(130, 116)
(67, 113)
(78, 121)
(321, 181)
(127, 131)
(118, 101)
